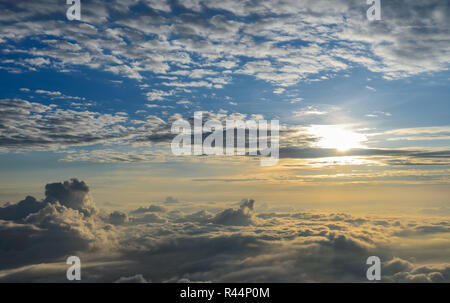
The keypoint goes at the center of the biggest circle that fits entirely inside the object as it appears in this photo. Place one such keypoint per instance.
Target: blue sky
(98, 94)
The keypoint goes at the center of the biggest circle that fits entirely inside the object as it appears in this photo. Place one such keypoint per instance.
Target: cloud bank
(231, 245)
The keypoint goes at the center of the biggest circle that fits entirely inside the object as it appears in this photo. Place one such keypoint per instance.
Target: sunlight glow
(337, 136)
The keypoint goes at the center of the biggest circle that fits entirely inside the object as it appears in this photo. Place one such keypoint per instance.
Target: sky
(87, 107)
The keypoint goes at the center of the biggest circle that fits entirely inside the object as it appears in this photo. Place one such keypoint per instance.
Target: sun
(339, 137)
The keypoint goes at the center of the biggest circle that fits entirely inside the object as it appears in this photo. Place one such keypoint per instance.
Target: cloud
(148, 218)
(197, 242)
(296, 100)
(158, 95)
(279, 91)
(309, 112)
(14, 212)
(57, 95)
(419, 130)
(33, 126)
(39, 91)
(403, 271)
(437, 211)
(151, 208)
(74, 194)
(64, 222)
(30, 125)
(171, 200)
(311, 153)
(287, 42)
(242, 216)
(133, 279)
(376, 114)
(117, 218)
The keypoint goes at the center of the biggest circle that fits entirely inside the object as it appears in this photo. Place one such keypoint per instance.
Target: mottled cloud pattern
(176, 39)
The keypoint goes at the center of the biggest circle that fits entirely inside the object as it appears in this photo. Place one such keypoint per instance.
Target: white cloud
(310, 111)
(410, 40)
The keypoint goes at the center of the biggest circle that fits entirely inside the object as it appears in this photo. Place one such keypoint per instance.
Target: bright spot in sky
(337, 136)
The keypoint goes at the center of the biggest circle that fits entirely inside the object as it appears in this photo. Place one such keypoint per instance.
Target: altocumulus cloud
(235, 244)
(212, 37)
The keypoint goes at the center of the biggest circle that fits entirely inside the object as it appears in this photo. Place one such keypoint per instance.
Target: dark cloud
(73, 194)
(242, 216)
(20, 210)
(399, 270)
(311, 153)
(63, 223)
(117, 218)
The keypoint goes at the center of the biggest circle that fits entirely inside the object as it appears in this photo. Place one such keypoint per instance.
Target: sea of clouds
(164, 242)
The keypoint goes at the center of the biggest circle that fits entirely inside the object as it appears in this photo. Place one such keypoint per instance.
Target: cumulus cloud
(73, 194)
(117, 218)
(242, 216)
(64, 222)
(399, 270)
(20, 210)
(202, 243)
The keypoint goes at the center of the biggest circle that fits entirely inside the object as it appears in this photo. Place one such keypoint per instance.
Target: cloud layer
(231, 245)
(204, 43)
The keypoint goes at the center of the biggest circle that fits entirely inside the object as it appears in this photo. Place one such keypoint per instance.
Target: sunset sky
(364, 119)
